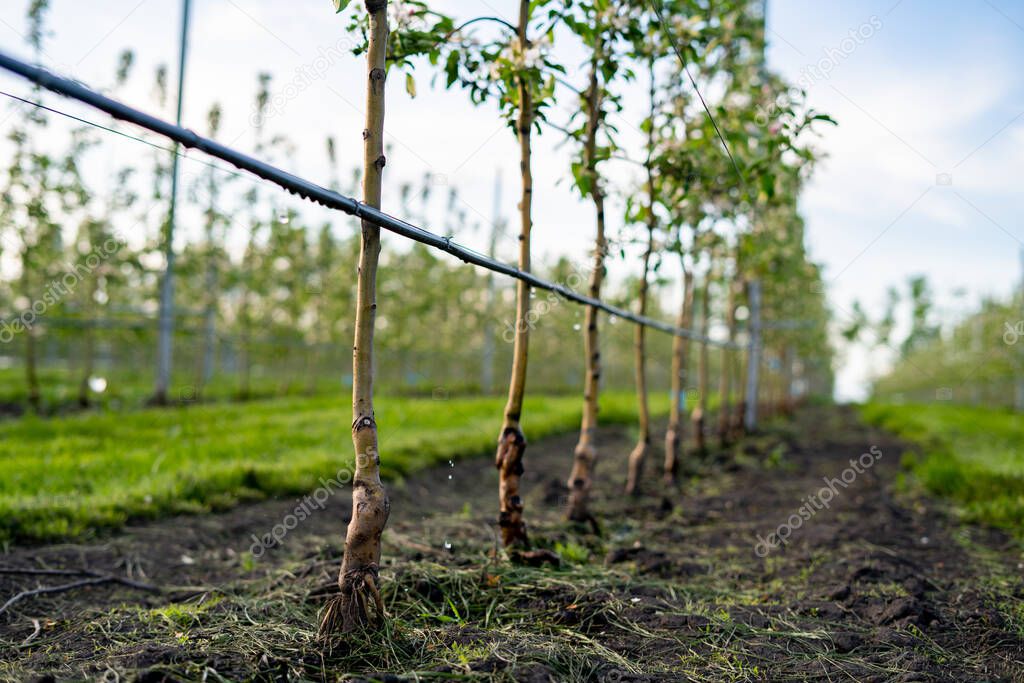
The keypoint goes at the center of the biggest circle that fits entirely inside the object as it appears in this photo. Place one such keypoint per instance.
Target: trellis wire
(320, 195)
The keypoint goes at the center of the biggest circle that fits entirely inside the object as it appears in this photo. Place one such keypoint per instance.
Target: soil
(884, 584)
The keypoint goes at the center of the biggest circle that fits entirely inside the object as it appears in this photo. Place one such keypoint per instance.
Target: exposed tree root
(358, 606)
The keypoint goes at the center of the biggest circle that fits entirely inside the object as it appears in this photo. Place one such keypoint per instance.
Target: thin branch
(52, 589)
(473, 21)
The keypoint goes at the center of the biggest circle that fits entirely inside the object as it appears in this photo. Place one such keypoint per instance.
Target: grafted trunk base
(509, 461)
(699, 441)
(724, 438)
(738, 429)
(670, 471)
(636, 467)
(580, 483)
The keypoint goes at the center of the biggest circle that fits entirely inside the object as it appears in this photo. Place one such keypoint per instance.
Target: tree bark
(359, 576)
(639, 453)
(88, 353)
(675, 434)
(204, 360)
(512, 442)
(698, 416)
(31, 371)
(211, 278)
(740, 412)
(585, 454)
(725, 371)
(245, 339)
(788, 359)
(643, 442)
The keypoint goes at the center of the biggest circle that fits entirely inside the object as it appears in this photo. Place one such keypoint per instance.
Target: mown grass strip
(974, 456)
(66, 477)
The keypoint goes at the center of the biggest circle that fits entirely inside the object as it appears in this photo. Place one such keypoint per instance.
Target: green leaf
(340, 5)
(410, 85)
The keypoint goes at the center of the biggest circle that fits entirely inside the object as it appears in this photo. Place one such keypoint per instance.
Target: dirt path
(871, 585)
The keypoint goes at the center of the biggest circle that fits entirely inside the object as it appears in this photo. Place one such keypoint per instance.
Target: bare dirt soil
(882, 585)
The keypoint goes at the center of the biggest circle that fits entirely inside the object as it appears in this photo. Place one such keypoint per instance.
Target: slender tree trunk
(675, 434)
(512, 442)
(788, 359)
(643, 442)
(31, 372)
(698, 416)
(83, 382)
(313, 354)
(88, 343)
(725, 371)
(639, 453)
(740, 375)
(245, 338)
(88, 352)
(585, 455)
(359, 575)
(209, 327)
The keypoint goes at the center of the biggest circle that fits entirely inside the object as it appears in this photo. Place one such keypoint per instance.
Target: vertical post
(487, 371)
(164, 344)
(754, 356)
(788, 360)
(1018, 399)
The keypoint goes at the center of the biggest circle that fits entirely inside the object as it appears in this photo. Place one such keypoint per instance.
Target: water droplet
(449, 476)
(451, 463)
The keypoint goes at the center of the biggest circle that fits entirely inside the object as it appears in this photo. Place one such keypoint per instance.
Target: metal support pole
(487, 377)
(165, 341)
(754, 356)
(1018, 399)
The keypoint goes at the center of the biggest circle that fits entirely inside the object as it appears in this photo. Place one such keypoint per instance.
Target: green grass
(128, 389)
(973, 455)
(71, 476)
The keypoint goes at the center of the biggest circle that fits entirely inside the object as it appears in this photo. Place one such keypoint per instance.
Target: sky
(921, 176)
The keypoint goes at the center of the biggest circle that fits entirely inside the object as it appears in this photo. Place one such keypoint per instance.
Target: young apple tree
(601, 25)
(359, 576)
(513, 67)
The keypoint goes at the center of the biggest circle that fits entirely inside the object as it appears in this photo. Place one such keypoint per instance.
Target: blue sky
(934, 95)
(923, 173)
